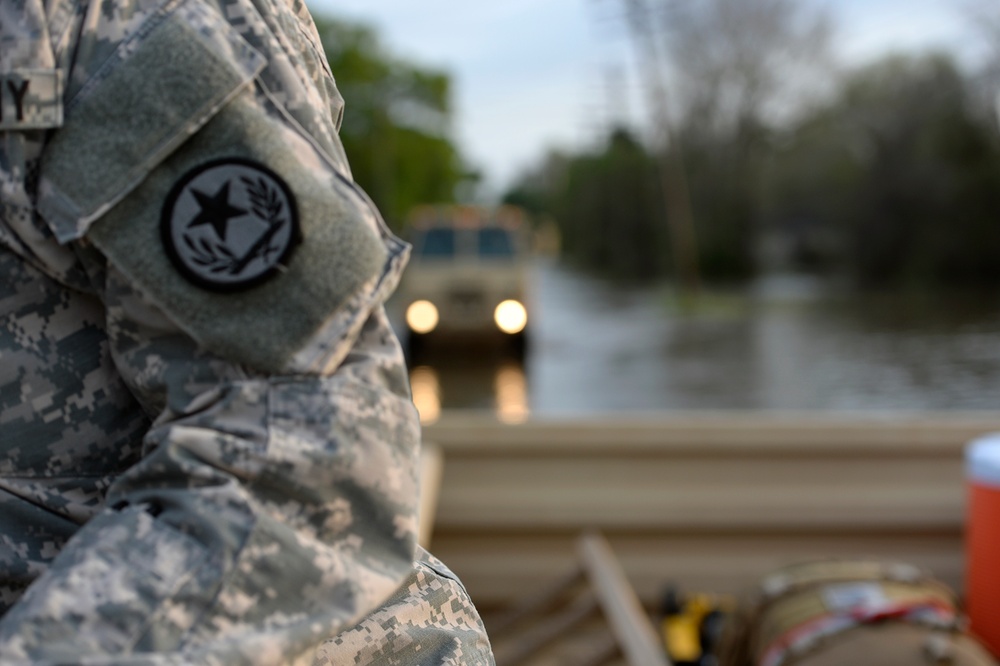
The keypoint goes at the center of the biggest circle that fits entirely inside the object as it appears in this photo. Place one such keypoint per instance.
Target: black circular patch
(229, 224)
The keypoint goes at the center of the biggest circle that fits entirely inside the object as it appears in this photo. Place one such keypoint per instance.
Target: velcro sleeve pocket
(160, 86)
(126, 181)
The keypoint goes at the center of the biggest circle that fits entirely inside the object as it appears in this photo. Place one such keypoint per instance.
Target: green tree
(539, 189)
(740, 66)
(607, 206)
(397, 121)
(927, 205)
(905, 169)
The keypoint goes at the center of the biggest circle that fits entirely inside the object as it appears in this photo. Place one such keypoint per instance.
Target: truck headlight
(510, 317)
(422, 317)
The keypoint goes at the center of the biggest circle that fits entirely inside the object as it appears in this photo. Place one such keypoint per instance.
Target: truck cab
(467, 279)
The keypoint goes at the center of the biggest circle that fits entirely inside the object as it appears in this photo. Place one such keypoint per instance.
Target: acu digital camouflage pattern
(163, 505)
(30, 84)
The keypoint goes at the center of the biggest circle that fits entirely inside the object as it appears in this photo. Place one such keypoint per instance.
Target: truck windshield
(437, 243)
(495, 242)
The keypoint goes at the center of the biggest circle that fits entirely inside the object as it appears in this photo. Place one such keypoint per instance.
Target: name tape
(31, 99)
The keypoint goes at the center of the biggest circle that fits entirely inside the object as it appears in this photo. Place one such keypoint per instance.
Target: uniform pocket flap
(160, 86)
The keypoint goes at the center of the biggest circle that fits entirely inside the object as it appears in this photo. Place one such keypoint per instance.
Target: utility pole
(616, 95)
(677, 198)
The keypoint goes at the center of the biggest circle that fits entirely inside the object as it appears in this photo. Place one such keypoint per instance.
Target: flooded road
(786, 345)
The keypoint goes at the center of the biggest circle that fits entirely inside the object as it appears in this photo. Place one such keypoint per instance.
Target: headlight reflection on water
(426, 390)
(512, 394)
(509, 398)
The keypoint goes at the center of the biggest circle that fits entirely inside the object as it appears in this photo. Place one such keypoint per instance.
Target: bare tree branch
(745, 62)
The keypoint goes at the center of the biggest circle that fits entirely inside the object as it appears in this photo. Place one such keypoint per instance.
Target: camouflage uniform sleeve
(274, 505)
(429, 620)
(268, 514)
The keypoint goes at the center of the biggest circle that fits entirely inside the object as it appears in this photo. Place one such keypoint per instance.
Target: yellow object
(682, 630)
(681, 633)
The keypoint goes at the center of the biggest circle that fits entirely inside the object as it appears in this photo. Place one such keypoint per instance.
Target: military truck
(467, 279)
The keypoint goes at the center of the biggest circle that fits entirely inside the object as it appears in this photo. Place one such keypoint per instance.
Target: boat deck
(709, 501)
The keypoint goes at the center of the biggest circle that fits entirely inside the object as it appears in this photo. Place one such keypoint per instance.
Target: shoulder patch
(229, 224)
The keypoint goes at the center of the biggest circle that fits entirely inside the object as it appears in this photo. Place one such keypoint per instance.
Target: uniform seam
(443, 572)
(316, 47)
(100, 72)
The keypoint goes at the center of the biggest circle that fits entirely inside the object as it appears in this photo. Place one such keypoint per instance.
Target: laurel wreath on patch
(217, 258)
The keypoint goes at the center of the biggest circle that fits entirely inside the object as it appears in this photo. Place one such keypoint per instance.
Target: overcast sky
(529, 74)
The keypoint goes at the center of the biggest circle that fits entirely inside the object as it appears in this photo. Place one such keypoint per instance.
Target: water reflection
(597, 348)
(511, 387)
(468, 382)
(426, 393)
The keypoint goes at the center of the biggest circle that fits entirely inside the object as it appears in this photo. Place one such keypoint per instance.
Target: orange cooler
(982, 546)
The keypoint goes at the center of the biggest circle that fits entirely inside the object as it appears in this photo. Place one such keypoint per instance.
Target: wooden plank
(533, 604)
(628, 621)
(545, 632)
(602, 653)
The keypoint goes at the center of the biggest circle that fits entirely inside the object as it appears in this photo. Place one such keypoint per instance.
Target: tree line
(888, 173)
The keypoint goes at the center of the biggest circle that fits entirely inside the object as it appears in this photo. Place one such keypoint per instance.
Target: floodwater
(785, 344)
